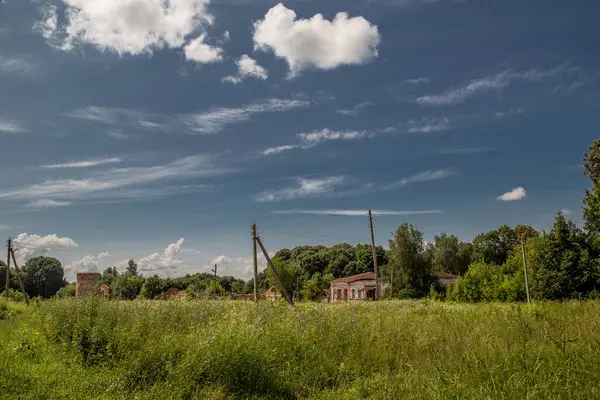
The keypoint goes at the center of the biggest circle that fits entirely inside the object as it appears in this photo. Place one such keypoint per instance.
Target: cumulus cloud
(305, 187)
(35, 245)
(88, 263)
(11, 126)
(489, 83)
(84, 164)
(357, 213)
(124, 26)
(247, 68)
(197, 50)
(316, 42)
(515, 194)
(159, 263)
(220, 260)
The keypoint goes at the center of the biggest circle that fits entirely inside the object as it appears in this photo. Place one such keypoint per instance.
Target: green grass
(230, 350)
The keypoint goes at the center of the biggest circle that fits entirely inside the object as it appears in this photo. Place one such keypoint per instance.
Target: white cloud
(107, 115)
(118, 134)
(34, 245)
(220, 260)
(425, 176)
(166, 262)
(357, 213)
(429, 125)
(566, 211)
(14, 66)
(45, 203)
(482, 85)
(88, 263)
(247, 68)
(115, 182)
(197, 50)
(354, 111)
(11, 126)
(415, 81)
(305, 188)
(316, 42)
(84, 164)
(124, 26)
(326, 134)
(150, 124)
(215, 120)
(515, 194)
(279, 149)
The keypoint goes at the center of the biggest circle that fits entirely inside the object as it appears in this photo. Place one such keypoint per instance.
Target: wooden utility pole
(8, 249)
(277, 276)
(525, 270)
(214, 270)
(255, 261)
(377, 286)
(19, 276)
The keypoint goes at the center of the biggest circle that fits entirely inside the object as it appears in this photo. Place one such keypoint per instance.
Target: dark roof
(360, 277)
(444, 275)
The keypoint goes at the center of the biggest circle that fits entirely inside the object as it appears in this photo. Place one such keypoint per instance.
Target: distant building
(106, 290)
(356, 287)
(85, 283)
(171, 293)
(444, 278)
(322, 296)
(272, 293)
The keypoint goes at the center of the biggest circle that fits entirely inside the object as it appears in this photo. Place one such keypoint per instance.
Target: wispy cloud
(566, 211)
(279, 149)
(108, 115)
(45, 203)
(515, 194)
(119, 182)
(415, 81)
(326, 134)
(357, 213)
(304, 188)
(429, 125)
(11, 126)
(425, 176)
(215, 120)
(483, 85)
(14, 66)
(354, 110)
(84, 164)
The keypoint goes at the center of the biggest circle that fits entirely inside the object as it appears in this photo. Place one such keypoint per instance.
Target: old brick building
(355, 288)
(85, 283)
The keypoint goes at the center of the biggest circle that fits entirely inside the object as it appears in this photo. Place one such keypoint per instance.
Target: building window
(353, 293)
(359, 294)
(339, 294)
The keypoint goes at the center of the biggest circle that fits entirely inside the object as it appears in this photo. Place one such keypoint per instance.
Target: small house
(322, 296)
(105, 290)
(272, 293)
(356, 287)
(444, 279)
(171, 293)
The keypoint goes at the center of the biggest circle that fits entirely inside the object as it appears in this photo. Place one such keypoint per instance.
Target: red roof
(360, 277)
(444, 275)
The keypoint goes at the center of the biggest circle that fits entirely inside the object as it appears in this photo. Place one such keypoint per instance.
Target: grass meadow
(97, 349)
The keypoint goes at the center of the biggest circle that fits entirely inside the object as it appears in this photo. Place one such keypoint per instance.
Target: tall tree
(43, 276)
(591, 201)
(132, 268)
(109, 275)
(494, 246)
(447, 253)
(408, 263)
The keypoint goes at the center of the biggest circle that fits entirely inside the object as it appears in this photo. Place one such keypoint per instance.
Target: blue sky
(127, 126)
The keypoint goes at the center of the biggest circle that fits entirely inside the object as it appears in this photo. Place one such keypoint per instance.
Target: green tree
(153, 286)
(66, 291)
(127, 287)
(591, 201)
(494, 246)
(448, 254)
(315, 284)
(289, 272)
(408, 263)
(132, 267)
(43, 276)
(109, 275)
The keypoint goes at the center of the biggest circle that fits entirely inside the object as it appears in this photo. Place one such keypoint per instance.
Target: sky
(161, 130)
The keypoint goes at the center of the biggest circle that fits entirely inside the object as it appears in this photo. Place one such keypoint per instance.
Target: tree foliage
(408, 262)
(43, 276)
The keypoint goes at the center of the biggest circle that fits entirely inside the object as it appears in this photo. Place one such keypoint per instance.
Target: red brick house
(272, 293)
(354, 288)
(85, 283)
(106, 290)
(322, 296)
(171, 293)
(444, 278)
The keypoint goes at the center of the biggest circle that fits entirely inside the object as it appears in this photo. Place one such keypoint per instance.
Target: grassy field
(230, 350)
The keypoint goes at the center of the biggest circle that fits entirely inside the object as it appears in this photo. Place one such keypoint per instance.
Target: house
(444, 279)
(272, 293)
(171, 293)
(322, 296)
(85, 283)
(106, 290)
(355, 287)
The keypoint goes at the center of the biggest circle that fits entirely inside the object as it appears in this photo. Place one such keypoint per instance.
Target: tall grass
(222, 350)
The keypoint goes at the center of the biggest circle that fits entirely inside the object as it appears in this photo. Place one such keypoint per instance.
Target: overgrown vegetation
(226, 350)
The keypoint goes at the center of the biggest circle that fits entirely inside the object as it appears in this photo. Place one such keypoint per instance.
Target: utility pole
(377, 289)
(214, 270)
(255, 261)
(8, 249)
(277, 276)
(19, 277)
(525, 270)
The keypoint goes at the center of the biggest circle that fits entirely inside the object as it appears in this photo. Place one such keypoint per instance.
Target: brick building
(444, 278)
(272, 293)
(355, 288)
(85, 283)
